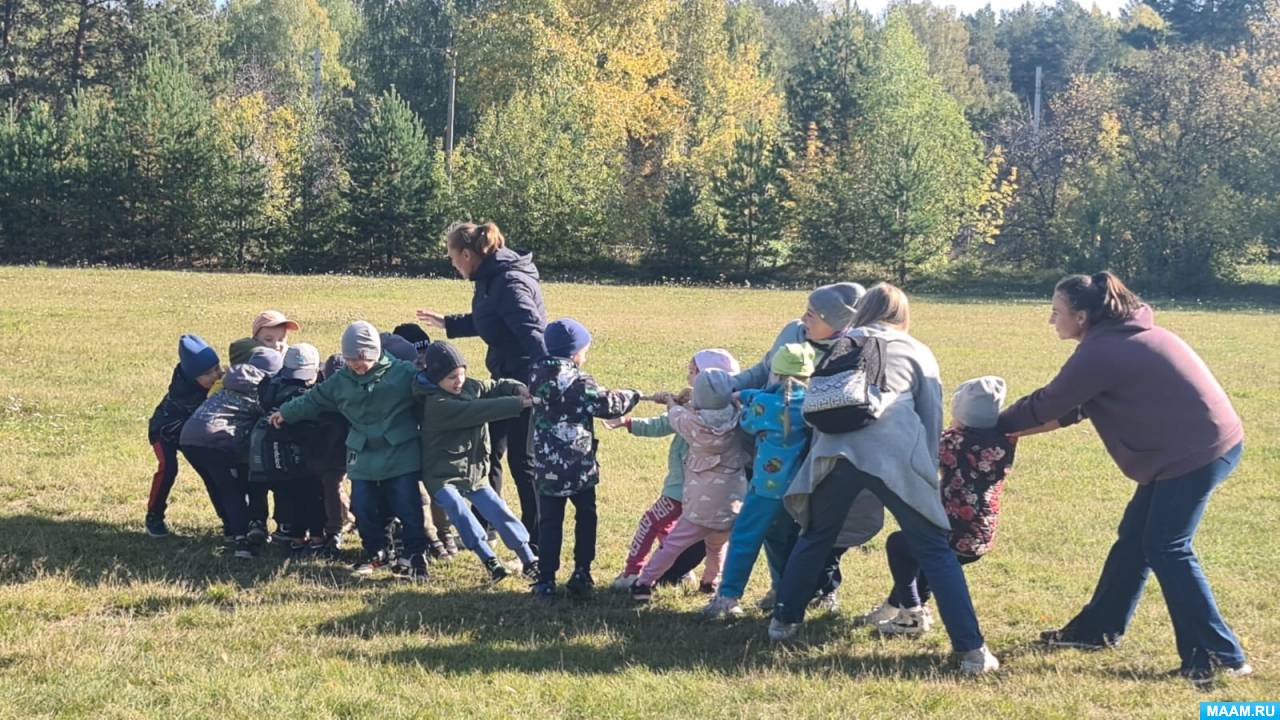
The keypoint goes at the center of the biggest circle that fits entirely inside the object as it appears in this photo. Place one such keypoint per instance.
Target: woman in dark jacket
(508, 314)
(1170, 427)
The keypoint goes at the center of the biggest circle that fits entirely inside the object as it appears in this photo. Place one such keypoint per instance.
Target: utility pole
(448, 133)
(1035, 116)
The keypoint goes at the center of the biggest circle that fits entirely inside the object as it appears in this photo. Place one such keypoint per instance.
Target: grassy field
(99, 621)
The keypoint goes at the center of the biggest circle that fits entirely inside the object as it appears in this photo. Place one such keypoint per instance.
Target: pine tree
(398, 190)
(750, 195)
(684, 237)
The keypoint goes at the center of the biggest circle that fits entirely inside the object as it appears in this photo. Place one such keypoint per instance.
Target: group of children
(397, 413)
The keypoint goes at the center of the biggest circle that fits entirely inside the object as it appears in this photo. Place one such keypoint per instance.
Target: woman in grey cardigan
(896, 459)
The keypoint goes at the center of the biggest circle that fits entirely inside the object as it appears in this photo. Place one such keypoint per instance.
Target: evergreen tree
(398, 189)
(750, 195)
(684, 237)
(823, 88)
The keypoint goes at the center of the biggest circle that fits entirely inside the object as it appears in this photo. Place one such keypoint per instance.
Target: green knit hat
(793, 360)
(242, 349)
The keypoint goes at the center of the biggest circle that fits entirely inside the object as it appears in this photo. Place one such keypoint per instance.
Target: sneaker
(781, 631)
(299, 547)
(331, 549)
(243, 549)
(977, 662)
(581, 585)
(497, 571)
(623, 581)
(722, 608)
(530, 571)
(767, 602)
(1202, 678)
(707, 588)
(1067, 637)
(370, 563)
(437, 552)
(910, 621)
(285, 534)
(827, 602)
(882, 614)
(156, 527)
(450, 546)
(640, 592)
(413, 567)
(544, 592)
(257, 533)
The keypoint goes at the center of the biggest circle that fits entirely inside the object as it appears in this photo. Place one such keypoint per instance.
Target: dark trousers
(397, 497)
(1155, 534)
(780, 540)
(165, 476)
(514, 439)
(829, 506)
(336, 506)
(551, 532)
(910, 585)
(230, 479)
(305, 511)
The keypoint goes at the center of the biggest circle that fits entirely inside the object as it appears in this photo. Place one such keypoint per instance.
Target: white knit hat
(977, 402)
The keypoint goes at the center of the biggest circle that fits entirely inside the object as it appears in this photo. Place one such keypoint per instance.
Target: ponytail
(483, 240)
(1102, 297)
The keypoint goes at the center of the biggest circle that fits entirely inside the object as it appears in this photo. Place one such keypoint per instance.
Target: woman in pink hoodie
(1171, 428)
(715, 480)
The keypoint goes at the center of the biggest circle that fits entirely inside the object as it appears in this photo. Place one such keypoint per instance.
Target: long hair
(1101, 296)
(483, 240)
(884, 303)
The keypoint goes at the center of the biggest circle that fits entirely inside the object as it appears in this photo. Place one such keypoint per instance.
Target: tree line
(737, 139)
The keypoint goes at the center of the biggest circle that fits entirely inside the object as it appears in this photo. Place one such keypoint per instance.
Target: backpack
(273, 454)
(845, 392)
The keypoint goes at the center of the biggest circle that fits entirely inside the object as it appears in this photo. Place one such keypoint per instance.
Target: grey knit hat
(712, 390)
(977, 402)
(360, 342)
(836, 304)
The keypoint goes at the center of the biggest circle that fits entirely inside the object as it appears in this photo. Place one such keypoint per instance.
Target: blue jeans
(748, 535)
(1155, 535)
(374, 501)
(828, 507)
(492, 508)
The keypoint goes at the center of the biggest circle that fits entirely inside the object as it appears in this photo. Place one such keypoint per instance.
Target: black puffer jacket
(507, 313)
(184, 396)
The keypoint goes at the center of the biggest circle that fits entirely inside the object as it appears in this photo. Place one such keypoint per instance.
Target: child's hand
(685, 396)
(431, 319)
(661, 398)
(527, 401)
(276, 420)
(614, 423)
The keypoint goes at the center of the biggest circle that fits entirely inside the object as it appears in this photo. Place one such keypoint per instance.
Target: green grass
(96, 620)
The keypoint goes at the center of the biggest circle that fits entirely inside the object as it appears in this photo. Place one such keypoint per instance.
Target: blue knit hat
(266, 359)
(565, 337)
(195, 356)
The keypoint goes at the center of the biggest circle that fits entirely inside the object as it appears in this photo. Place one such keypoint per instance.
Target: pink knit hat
(717, 358)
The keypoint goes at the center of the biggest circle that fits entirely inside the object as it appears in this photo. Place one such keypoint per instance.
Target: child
(417, 337)
(326, 456)
(565, 466)
(303, 498)
(455, 452)
(975, 459)
(271, 328)
(774, 416)
(384, 460)
(197, 370)
(715, 480)
(657, 521)
(216, 441)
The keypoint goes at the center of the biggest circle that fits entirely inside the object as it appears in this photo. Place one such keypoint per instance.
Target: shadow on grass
(487, 630)
(93, 553)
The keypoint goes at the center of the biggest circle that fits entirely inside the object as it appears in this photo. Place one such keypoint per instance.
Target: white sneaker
(767, 602)
(780, 631)
(722, 608)
(623, 581)
(827, 602)
(977, 662)
(882, 614)
(910, 621)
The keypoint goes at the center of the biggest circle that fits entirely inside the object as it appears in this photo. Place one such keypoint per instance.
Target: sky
(1111, 7)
